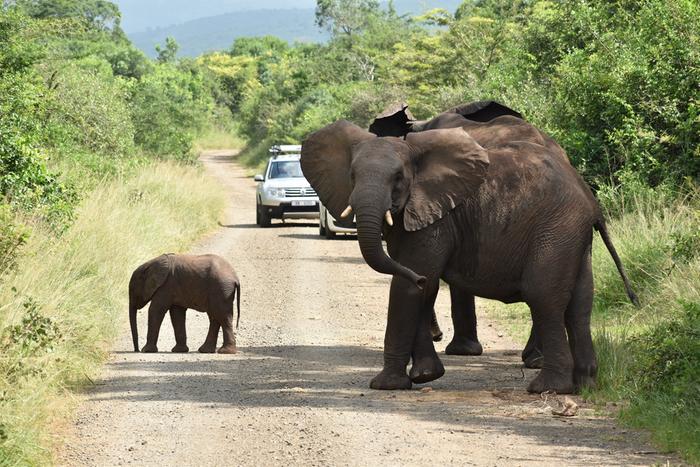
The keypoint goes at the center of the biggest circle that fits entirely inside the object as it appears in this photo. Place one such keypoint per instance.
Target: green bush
(12, 237)
(169, 107)
(89, 110)
(666, 377)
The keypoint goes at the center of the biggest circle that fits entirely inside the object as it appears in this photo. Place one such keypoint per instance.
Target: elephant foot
(228, 349)
(464, 346)
(149, 348)
(426, 369)
(533, 358)
(436, 334)
(551, 381)
(585, 377)
(390, 381)
(207, 348)
(180, 349)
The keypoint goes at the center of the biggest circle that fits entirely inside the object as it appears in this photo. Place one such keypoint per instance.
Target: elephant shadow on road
(476, 395)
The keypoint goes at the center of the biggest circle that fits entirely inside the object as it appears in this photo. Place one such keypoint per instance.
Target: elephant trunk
(369, 228)
(132, 321)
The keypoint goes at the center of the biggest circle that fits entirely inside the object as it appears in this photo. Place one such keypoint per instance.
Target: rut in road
(311, 335)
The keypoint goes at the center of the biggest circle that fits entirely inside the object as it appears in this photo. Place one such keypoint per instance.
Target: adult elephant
(398, 121)
(513, 223)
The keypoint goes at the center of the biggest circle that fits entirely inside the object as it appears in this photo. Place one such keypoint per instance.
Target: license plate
(303, 203)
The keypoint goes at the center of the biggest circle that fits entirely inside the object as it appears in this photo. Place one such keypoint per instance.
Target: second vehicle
(283, 192)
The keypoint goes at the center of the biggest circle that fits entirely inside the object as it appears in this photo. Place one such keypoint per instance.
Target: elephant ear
(326, 155)
(394, 121)
(449, 168)
(156, 274)
(483, 111)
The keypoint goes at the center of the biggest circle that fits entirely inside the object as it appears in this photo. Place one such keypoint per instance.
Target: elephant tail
(600, 227)
(238, 303)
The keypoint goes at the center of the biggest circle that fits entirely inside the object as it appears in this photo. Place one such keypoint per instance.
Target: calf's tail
(238, 303)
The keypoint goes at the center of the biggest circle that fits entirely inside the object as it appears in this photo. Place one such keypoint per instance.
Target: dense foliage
(78, 102)
(617, 83)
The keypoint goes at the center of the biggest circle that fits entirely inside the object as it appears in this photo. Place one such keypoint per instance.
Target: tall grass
(62, 306)
(648, 357)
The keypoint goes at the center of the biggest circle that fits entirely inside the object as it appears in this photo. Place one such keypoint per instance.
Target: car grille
(299, 192)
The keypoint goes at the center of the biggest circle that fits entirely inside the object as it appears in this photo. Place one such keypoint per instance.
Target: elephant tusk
(389, 219)
(347, 212)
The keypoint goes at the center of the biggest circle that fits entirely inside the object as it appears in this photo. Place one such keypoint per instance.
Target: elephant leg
(426, 363)
(156, 313)
(557, 365)
(177, 317)
(578, 326)
(229, 346)
(465, 340)
(532, 353)
(209, 345)
(435, 331)
(405, 304)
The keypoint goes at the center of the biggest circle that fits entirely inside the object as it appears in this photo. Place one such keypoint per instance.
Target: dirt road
(311, 335)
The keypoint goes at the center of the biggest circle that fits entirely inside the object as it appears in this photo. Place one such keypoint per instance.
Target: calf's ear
(155, 275)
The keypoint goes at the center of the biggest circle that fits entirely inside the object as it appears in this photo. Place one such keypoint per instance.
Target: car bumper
(290, 210)
(333, 227)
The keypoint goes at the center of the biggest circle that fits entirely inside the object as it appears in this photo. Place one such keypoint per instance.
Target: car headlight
(276, 192)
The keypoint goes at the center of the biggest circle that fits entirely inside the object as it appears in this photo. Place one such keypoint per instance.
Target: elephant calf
(205, 283)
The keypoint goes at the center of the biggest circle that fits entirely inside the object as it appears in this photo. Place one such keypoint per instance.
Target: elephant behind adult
(398, 121)
(174, 283)
(512, 223)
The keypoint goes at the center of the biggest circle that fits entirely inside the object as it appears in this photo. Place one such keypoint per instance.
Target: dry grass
(62, 307)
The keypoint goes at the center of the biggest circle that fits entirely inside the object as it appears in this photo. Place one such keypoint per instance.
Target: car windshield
(285, 169)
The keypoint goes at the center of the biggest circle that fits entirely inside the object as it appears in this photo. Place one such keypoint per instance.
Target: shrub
(12, 237)
(89, 110)
(169, 107)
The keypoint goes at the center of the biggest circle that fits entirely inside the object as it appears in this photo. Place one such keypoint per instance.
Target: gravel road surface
(312, 327)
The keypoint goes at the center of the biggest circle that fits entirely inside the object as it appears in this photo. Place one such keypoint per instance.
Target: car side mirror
(259, 178)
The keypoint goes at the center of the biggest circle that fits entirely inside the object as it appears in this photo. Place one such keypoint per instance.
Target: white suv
(283, 192)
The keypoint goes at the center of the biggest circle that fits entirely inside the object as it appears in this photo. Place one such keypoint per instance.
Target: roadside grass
(218, 138)
(648, 357)
(63, 303)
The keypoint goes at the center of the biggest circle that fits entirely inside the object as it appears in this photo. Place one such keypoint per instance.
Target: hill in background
(218, 32)
(200, 27)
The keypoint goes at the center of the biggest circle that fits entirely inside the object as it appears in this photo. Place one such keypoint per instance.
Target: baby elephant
(173, 282)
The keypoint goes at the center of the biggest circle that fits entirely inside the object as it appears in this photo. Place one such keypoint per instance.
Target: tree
(345, 16)
(168, 53)
(102, 15)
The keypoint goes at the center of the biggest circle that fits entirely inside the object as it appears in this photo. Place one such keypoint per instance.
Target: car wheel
(330, 235)
(264, 219)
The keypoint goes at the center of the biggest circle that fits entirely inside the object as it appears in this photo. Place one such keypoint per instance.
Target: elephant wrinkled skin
(205, 283)
(493, 208)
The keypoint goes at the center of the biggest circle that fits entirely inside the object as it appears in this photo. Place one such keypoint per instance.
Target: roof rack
(279, 149)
